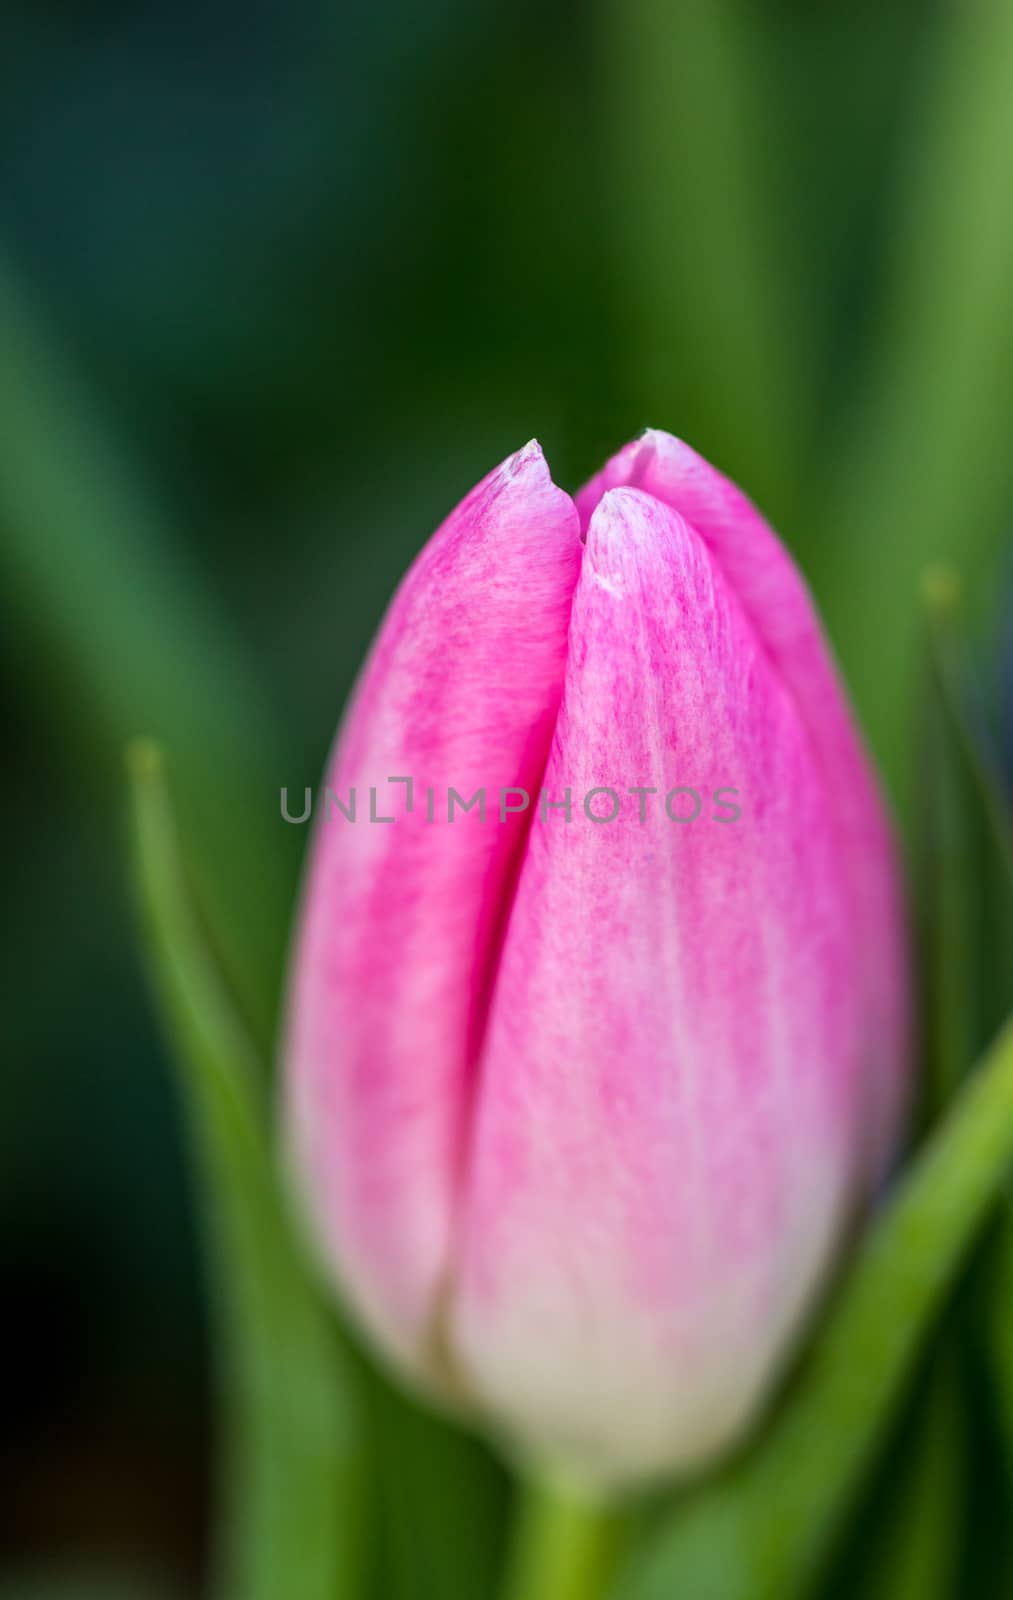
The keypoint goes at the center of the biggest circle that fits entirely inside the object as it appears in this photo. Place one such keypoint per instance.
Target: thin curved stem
(564, 1547)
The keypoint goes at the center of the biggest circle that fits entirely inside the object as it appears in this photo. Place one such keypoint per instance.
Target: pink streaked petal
(776, 601)
(672, 1089)
(400, 921)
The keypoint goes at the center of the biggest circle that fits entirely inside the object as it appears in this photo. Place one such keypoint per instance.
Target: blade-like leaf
(951, 669)
(924, 471)
(977, 946)
(763, 1529)
(946, 885)
(908, 1532)
(1001, 1331)
(906, 1538)
(716, 313)
(289, 1479)
(119, 634)
(441, 1504)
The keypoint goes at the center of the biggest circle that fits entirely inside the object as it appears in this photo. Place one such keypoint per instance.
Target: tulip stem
(564, 1547)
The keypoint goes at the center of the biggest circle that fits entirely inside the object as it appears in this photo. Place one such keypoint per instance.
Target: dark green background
(277, 284)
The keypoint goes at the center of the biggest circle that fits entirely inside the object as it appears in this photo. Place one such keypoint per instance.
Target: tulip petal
(777, 603)
(401, 921)
(667, 1136)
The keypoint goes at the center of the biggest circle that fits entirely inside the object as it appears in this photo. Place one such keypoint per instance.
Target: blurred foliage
(765, 1527)
(276, 286)
(290, 1496)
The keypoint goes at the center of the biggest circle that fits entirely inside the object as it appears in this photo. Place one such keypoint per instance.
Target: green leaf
(946, 877)
(906, 1537)
(1001, 1331)
(919, 1557)
(970, 970)
(953, 680)
(290, 1481)
(923, 471)
(441, 1503)
(121, 637)
(908, 1534)
(763, 1529)
(716, 315)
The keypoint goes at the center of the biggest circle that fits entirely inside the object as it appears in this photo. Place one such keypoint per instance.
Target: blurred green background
(277, 285)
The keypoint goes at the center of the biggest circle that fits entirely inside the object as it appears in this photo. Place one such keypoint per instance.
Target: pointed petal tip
(665, 445)
(608, 520)
(630, 534)
(527, 474)
(529, 456)
(622, 512)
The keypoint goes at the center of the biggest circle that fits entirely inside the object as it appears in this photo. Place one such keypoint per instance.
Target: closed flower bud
(582, 1095)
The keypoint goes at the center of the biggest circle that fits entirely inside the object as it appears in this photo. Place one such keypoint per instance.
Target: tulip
(582, 1109)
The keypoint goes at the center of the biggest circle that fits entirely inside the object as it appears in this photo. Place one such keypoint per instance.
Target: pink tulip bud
(583, 1096)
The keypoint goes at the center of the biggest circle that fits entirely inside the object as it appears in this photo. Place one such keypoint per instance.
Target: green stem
(564, 1547)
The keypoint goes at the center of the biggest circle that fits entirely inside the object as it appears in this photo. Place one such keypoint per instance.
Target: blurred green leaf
(1001, 1329)
(952, 676)
(764, 1528)
(117, 630)
(715, 311)
(919, 1556)
(442, 1503)
(291, 1483)
(917, 1505)
(906, 1538)
(923, 471)
(967, 911)
(946, 881)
